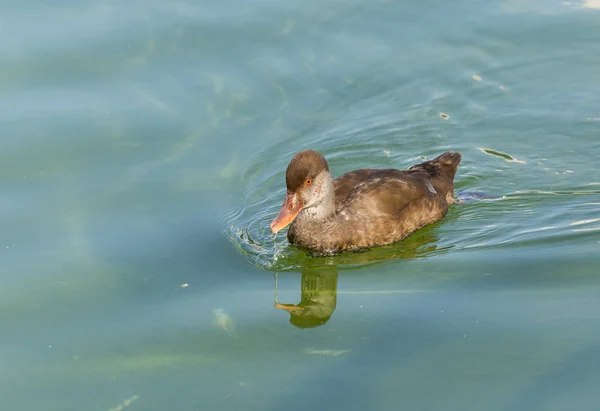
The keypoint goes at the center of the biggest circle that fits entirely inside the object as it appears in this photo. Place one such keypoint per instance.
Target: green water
(142, 155)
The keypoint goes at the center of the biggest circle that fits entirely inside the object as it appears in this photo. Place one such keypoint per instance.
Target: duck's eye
(308, 181)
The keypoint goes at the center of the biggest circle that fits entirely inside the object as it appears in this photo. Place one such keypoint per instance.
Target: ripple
(524, 218)
(580, 222)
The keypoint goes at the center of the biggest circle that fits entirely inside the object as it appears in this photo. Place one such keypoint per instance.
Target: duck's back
(391, 189)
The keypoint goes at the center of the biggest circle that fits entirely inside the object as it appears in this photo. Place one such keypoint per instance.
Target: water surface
(142, 158)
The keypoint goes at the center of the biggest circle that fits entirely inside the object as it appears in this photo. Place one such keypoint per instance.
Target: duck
(363, 208)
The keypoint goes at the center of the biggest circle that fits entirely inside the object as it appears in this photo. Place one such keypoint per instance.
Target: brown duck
(362, 208)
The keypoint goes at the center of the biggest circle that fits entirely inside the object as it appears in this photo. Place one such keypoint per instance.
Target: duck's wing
(385, 193)
(346, 183)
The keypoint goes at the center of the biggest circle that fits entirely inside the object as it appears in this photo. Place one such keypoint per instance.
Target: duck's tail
(444, 165)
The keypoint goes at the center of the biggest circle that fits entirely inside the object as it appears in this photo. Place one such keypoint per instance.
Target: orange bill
(290, 308)
(290, 209)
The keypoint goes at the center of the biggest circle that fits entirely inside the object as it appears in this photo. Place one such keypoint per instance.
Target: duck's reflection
(318, 289)
(318, 298)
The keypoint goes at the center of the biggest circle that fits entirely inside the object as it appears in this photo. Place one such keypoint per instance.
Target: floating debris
(330, 353)
(185, 285)
(476, 77)
(386, 152)
(444, 116)
(125, 404)
(506, 157)
(224, 321)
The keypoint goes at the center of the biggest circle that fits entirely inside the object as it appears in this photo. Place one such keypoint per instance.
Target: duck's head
(308, 183)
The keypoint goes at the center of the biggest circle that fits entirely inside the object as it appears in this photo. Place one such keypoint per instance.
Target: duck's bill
(290, 308)
(290, 210)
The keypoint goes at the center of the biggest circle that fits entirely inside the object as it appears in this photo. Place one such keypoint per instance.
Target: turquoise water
(142, 158)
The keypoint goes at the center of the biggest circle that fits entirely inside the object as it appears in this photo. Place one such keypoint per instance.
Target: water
(142, 157)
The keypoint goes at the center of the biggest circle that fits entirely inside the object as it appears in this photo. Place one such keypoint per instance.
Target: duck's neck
(325, 208)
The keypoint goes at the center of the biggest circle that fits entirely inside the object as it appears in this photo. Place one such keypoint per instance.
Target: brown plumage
(362, 208)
